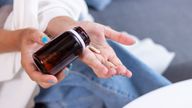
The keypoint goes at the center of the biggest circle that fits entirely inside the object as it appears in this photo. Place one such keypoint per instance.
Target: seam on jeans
(117, 91)
(114, 90)
(62, 104)
(106, 87)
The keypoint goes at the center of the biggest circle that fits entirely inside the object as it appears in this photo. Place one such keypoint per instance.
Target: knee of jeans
(117, 85)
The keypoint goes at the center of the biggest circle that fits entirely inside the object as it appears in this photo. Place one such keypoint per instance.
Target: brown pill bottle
(61, 51)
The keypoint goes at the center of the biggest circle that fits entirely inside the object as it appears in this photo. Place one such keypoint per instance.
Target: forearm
(58, 25)
(9, 40)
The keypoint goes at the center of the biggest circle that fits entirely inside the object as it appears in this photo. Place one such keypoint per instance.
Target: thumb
(34, 35)
(41, 39)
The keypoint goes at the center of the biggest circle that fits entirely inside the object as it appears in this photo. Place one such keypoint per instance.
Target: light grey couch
(167, 22)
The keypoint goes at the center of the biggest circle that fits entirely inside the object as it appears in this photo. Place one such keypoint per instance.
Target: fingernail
(44, 39)
(129, 73)
(51, 81)
(70, 66)
(66, 71)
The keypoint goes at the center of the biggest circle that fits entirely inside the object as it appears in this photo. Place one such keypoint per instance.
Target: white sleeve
(49, 9)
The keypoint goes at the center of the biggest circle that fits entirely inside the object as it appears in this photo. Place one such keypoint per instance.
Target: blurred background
(167, 22)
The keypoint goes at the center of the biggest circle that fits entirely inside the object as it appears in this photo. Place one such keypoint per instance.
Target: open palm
(105, 64)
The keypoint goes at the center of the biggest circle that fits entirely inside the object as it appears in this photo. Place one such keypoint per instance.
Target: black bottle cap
(83, 35)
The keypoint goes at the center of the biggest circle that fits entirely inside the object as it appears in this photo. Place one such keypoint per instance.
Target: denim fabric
(82, 89)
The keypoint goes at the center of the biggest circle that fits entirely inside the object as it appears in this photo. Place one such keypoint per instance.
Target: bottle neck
(84, 36)
(78, 37)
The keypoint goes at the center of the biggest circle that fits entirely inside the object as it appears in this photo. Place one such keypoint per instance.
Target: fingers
(31, 36)
(41, 39)
(47, 81)
(112, 63)
(117, 36)
(124, 71)
(44, 80)
(36, 36)
(45, 85)
(38, 76)
(61, 75)
(45, 39)
(115, 67)
(111, 67)
(120, 68)
(92, 61)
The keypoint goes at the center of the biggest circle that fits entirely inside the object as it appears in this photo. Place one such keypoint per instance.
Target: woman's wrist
(58, 25)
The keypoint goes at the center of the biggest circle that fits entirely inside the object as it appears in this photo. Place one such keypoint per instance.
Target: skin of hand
(27, 41)
(30, 42)
(106, 63)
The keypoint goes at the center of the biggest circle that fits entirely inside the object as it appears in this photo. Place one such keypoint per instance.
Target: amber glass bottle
(61, 51)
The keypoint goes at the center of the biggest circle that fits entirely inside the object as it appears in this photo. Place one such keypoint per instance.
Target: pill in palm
(93, 49)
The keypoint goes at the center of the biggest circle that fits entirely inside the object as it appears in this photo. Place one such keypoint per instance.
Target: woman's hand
(105, 64)
(31, 40)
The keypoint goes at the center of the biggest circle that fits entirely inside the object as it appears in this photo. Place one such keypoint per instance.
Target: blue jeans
(82, 89)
